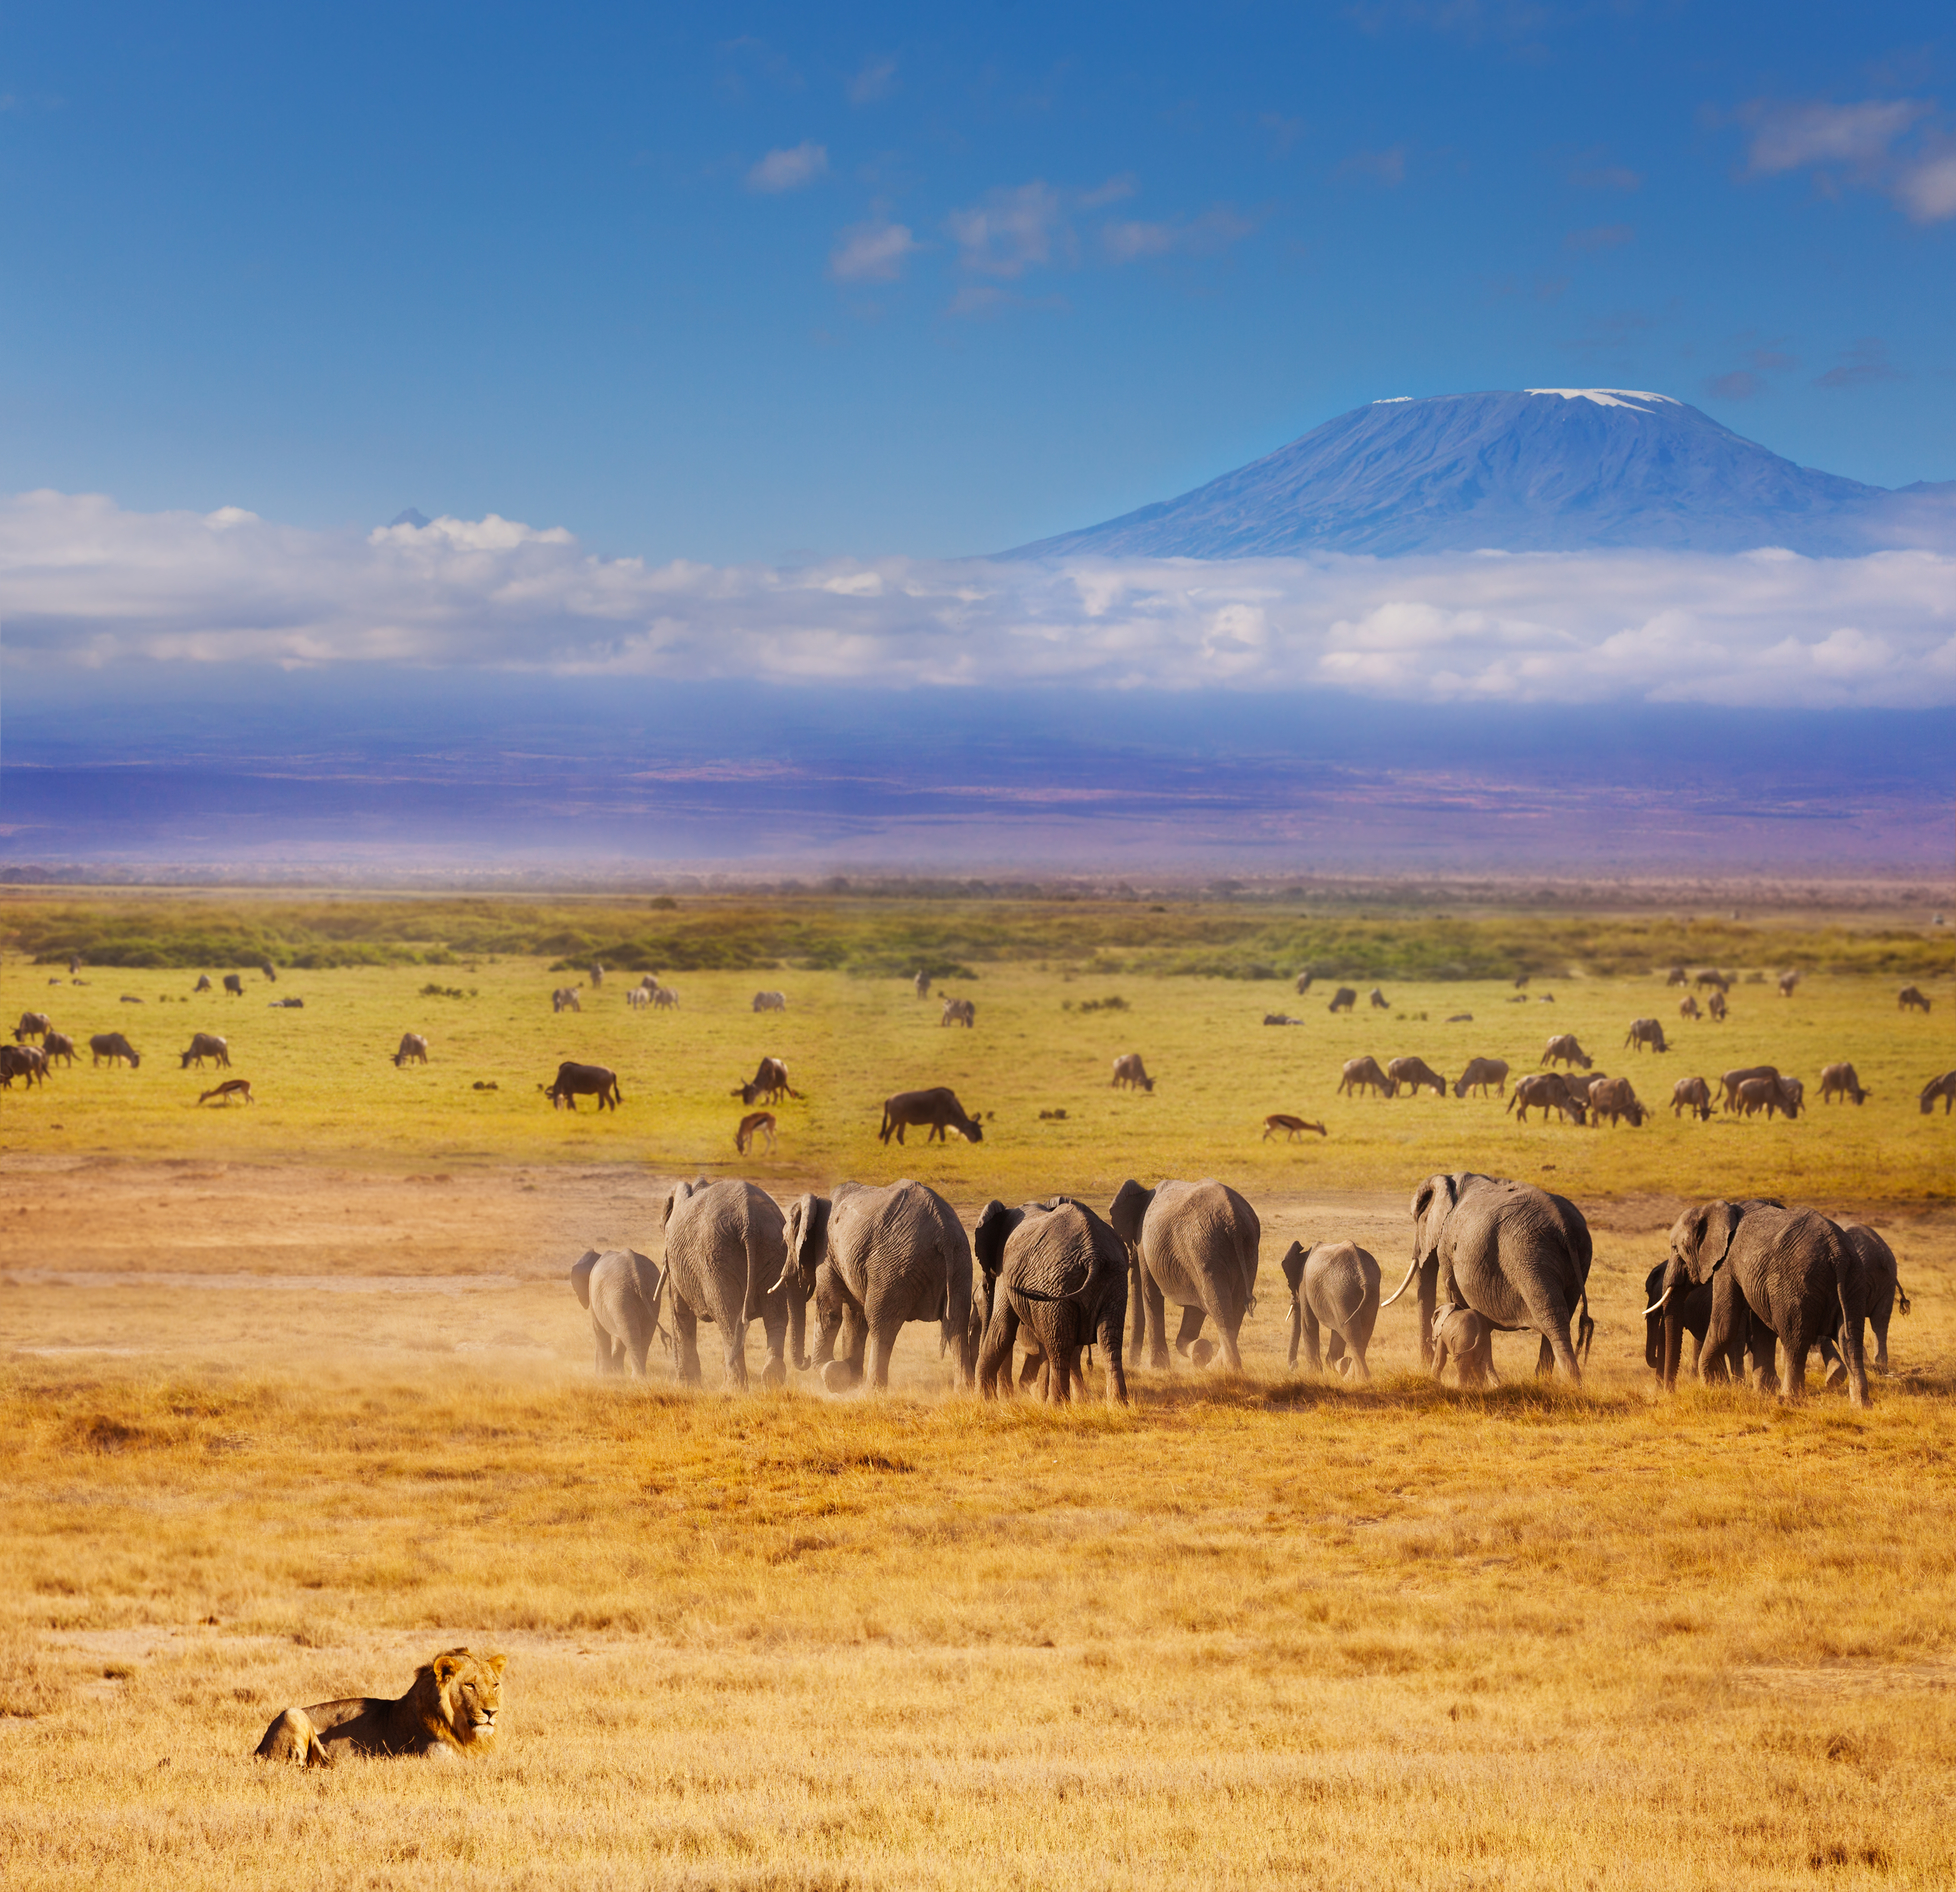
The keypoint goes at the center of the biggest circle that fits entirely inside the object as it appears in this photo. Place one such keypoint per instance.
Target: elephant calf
(1467, 1339)
(620, 1290)
(1334, 1286)
(1056, 1269)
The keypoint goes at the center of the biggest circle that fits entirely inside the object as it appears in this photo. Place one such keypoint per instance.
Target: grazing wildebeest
(583, 1080)
(234, 985)
(1787, 981)
(1360, 1072)
(565, 999)
(27, 1061)
(1379, 1001)
(1612, 1097)
(939, 1108)
(57, 1044)
(265, 966)
(1677, 976)
(1479, 1074)
(922, 983)
(1645, 1032)
(1565, 1050)
(1710, 975)
(1129, 1070)
(1688, 1007)
(113, 1046)
(231, 1089)
(959, 1012)
(33, 1025)
(203, 982)
(1910, 999)
(1304, 981)
(1717, 1007)
(1733, 1079)
(1839, 1080)
(74, 964)
(1411, 1073)
(1692, 1093)
(665, 999)
(1343, 999)
(770, 1001)
(414, 1046)
(1545, 1091)
(770, 1084)
(757, 1122)
(1768, 1094)
(1943, 1087)
(206, 1044)
(286, 1005)
(1292, 1127)
(597, 975)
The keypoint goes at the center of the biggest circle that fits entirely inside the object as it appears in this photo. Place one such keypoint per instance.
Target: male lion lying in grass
(451, 1705)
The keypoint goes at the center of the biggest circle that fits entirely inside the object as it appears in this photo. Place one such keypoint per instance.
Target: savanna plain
(295, 1394)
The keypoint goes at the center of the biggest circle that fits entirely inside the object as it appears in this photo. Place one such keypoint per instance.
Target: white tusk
(1657, 1306)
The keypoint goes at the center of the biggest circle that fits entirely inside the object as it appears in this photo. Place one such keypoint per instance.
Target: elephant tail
(1901, 1299)
(1585, 1328)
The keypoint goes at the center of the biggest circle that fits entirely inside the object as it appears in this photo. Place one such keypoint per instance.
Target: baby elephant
(621, 1289)
(1334, 1286)
(1465, 1338)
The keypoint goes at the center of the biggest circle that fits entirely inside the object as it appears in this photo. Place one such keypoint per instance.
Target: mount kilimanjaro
(1540, 470)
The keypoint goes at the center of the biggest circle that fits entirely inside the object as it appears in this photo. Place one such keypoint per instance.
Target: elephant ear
(666, 1208)
(807, 1234)
(1292, 1264)
(1436, 1198)
(1712, 1228)
(580, 1276)
(988, 1238)
(1129, 1210)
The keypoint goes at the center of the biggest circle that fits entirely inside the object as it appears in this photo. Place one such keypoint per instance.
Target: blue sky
(765, 283)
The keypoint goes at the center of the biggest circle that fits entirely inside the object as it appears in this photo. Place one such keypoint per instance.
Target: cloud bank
(86, 585)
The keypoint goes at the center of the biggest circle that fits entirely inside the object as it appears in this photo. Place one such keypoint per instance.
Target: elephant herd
(1489, 1256)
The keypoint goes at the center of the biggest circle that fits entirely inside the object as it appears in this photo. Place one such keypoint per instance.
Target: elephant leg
(1879, 1322)
(995, 1360)
(1109, 1338)
(846, 1369)
(1311, 1354)
(1137, 1309)
(1557, 1350)
(1066, 1369)
(1544, 1359)
(775, 1327)
(607, 1360)
(882, 1340)
(1437, 1362)
(1192, 1319)
(685, 1327)
(1157, 1310)
(1854, 1357)
(1032, 1373)
(1793, 1368)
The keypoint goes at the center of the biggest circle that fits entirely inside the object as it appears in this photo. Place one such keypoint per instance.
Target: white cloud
(877, 80)
(1131, 241)
(871, 252)
(1928, 189)
(85, 585)
(1889, 145)
(1011, 231)
(789, 169)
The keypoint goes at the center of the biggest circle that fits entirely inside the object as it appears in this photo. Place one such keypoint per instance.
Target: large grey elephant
(1514, 1254)
(1791, 1268)
(1884, 1288)
(725, 1255)
(1193, 1243)
(1333, 1286)
(1056, 1269)
(620, 1288)
(896, 1254)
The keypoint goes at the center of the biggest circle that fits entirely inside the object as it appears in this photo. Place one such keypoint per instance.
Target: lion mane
(451, 1707)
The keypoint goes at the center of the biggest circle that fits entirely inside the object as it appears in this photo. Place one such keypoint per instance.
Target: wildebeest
(130, 998)
(1479, 1074)
(28, 1061)
(1304, 981)
(597, 975)
(1129, 1070)
(286, 1005)
(1645, 1032)
(665, 999)
(770, 1001)
(1768, 1094)
(564, 999)
(234, 985)
(1379, 1002)
(1943, 1087)
(1581, 1083)
(206, 1044)
(1910, 999)
(1694, 1094)
(231, 1089)
(1280, 1018)
(1565, 1050)
(939, 1108)
(1545, 1091)
(1677, 976)
(57, 1044)
(1688, 1007)
(1839, 1080)
(1710, 975)
(265, 966)
(1717, 1007)
(639, 995)
(1787, 981)
(33, 1025)
(1613, 1098)
(414, 1046)
(203, 983)
(1342, 1000)
(1292, 1127)
(583, 1080)
(113, 1046)
(1414, 1072)
(1733, 1079)
(922, 983)
(770, 1083)
(755, 1123)
(1360, 1072)
(959, 1012)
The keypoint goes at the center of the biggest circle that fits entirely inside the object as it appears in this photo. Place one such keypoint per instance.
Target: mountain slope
(1544, 470)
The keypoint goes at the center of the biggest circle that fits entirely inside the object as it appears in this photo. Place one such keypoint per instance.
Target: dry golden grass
(1257, 1629)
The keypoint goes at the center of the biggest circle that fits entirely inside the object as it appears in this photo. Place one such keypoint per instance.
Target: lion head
(458, 1695)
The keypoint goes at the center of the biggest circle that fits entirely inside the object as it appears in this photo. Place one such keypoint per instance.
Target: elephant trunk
(798, 1329)
(1673, 1347)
